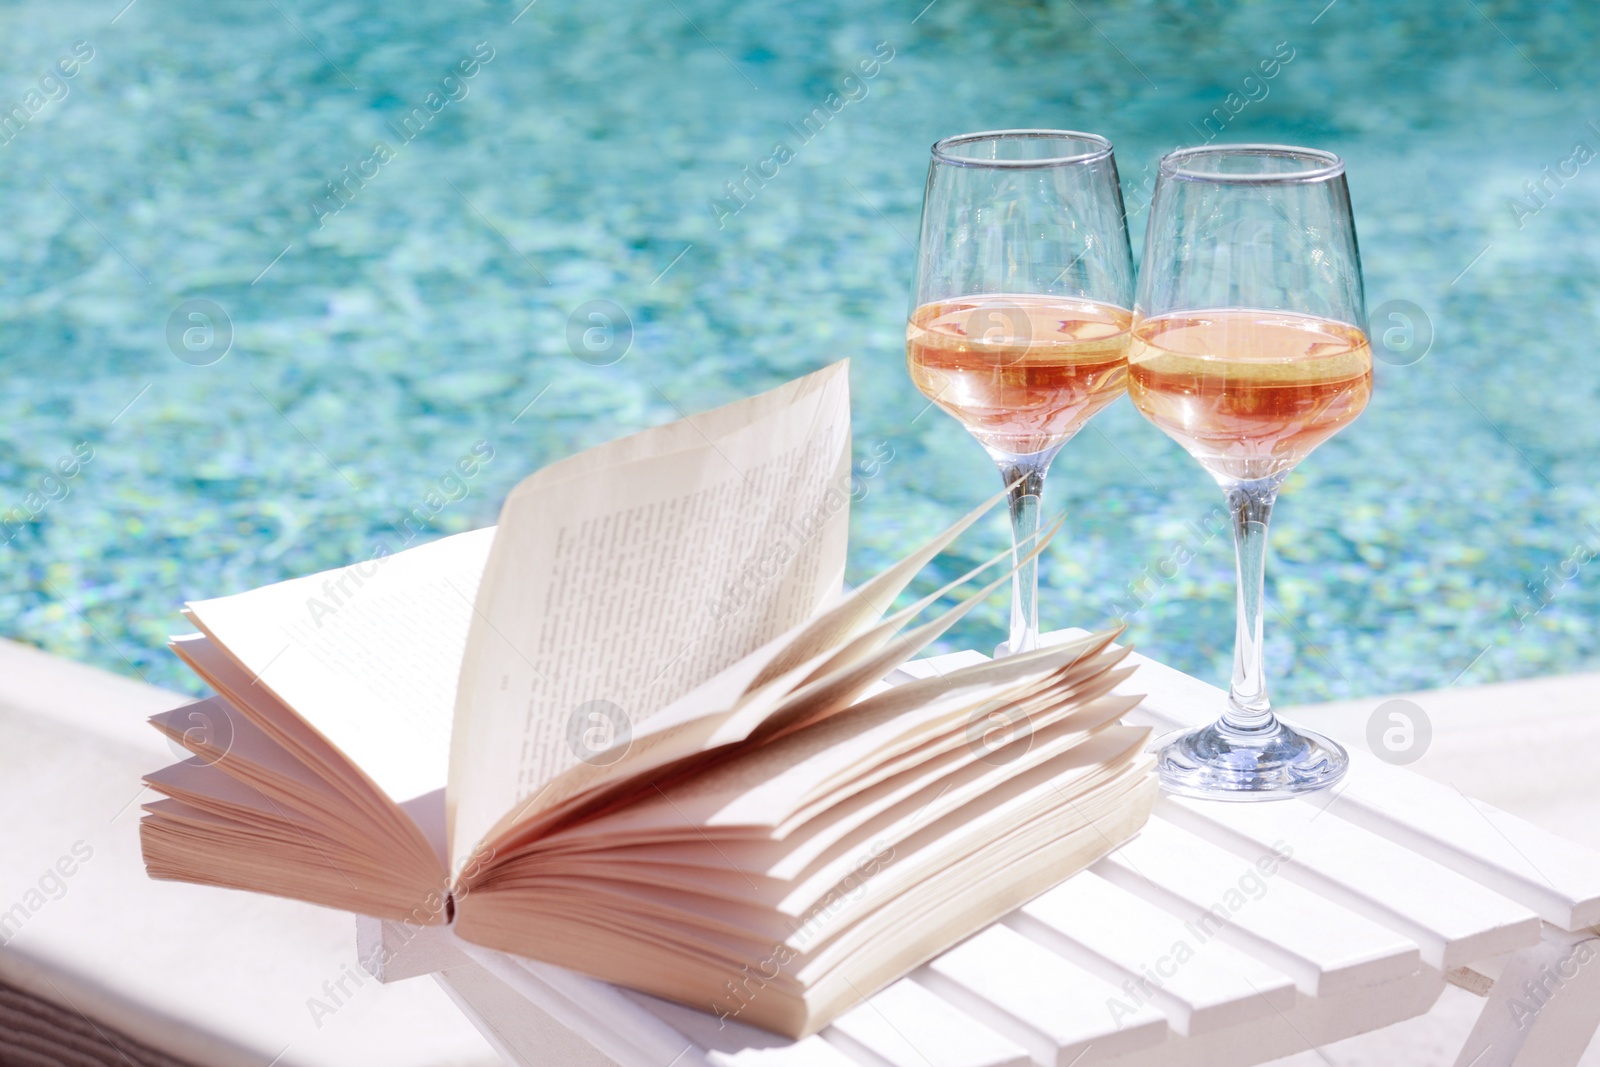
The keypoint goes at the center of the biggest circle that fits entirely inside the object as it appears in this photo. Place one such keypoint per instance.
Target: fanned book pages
(641, 729)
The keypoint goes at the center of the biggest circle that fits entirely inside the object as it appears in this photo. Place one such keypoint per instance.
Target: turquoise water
(379, 336)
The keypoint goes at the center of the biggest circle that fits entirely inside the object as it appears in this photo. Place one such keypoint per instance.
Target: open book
(639, 730)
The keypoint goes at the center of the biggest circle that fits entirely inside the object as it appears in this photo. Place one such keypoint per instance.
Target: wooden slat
(1557, 879)
(906, 1025)
(519, 1030)
(730, 1043)
(1324, 947)
(1312, 1022)
(1199, 982)
(1452, 919)
(1051, 1007)
(593, 1010)
(392, 951)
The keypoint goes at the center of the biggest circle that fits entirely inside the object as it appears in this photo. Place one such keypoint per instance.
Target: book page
(368, 655)
(620, 581)
(852, 658)
(816, 769)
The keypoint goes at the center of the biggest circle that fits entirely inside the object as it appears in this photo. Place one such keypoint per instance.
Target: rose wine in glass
(1247, 351)
(1248, 393)
(1019, 322)
(1026, 389)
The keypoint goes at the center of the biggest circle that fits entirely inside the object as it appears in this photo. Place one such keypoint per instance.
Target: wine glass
(1019, 312)
(1248, 351)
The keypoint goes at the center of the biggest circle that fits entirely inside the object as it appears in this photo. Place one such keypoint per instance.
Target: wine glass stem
(1025, 475)
(1250, 503)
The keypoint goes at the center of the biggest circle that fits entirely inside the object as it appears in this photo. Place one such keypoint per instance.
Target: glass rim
(1321, 164)
(941, 148)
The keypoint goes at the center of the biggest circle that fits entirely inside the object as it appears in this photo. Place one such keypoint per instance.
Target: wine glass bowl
(1247, 393)
(1019, 318)
(1023, 373)
(1248, 350)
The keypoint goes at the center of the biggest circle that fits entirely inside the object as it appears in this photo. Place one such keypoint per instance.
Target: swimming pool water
(379, 331)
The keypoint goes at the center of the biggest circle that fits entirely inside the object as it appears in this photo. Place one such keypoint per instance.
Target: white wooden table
(1223, 935)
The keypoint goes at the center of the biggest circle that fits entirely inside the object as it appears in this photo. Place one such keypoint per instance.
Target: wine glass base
(1218, 763)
